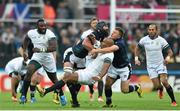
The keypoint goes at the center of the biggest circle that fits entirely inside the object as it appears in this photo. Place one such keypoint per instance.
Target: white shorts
(70, 57)
(85, 76)
(155, 69)
(123, 73)
(47, 61)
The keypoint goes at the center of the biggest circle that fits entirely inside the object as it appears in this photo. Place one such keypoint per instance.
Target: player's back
(16, 65)
(96, 65)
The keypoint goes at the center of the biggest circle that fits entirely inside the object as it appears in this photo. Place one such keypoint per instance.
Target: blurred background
(69, 18)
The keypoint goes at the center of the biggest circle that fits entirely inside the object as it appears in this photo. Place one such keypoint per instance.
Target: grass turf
(150, 101)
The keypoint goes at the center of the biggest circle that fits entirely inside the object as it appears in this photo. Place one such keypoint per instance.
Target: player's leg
(35, 80)
(163, 78)
(157, 86)
(32, 67)
(14, 84)
(53, 78)
(58, 85)
(154, 76)
(108, 91)
(100, 90)
(91, 91)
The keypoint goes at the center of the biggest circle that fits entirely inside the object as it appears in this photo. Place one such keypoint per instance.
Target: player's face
(152, 31)
(103, 44)
(115, 34)
(106, 43)
(94, 23)
(42, 27)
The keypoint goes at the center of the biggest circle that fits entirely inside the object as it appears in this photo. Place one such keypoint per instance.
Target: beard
(42, 31)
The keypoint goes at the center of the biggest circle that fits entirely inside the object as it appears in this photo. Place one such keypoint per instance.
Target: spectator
(49, 12)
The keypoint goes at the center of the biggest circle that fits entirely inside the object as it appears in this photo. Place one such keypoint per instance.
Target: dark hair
(40, 20)
(92, 19)
(121, 31)
(154, 25)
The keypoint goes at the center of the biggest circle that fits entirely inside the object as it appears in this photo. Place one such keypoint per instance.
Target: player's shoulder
(32, 31)
(86, 33)
(16, 60)
(160, 38)
(145, 37)
(50, 33)
(109, 54)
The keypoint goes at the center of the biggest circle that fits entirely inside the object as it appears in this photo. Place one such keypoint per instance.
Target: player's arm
(137, 53)
(20, 51)
(169, 54)
(88, 42)
(113, 48)
(52, 45)
(26, 42)
(106, 65)
(167, 50)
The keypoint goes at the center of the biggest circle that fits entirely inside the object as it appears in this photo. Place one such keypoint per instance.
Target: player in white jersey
(93, 23)
(16, 68)
(44, 43)
(154, 46)
(93, 72)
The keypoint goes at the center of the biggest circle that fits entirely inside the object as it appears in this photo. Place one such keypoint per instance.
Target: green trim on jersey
(107, 60)
(36, 64)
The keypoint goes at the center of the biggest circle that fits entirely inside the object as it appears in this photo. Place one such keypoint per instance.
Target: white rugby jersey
(153, 49)
(86, 33)
(16, 65)
(96, 65)
(40, 40)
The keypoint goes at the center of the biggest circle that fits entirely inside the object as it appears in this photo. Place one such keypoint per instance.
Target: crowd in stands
(11, 36)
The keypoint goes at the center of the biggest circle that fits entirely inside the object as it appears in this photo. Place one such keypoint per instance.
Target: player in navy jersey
(120, 67)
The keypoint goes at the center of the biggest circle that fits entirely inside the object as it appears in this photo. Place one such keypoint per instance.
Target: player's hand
(137, 62)
(167, 59)
(96, 78)
(36, 50)
(93, 52)
(25, 56)
(94, 55)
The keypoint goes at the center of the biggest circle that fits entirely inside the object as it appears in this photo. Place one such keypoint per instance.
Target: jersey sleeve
(141, 43)
(51, 35)
(30, 33)
(164, 44)
(84, 35)
(108, 58)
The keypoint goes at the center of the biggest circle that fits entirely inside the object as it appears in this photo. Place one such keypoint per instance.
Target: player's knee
(165, 83)
(107, 86)
(124, 90)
